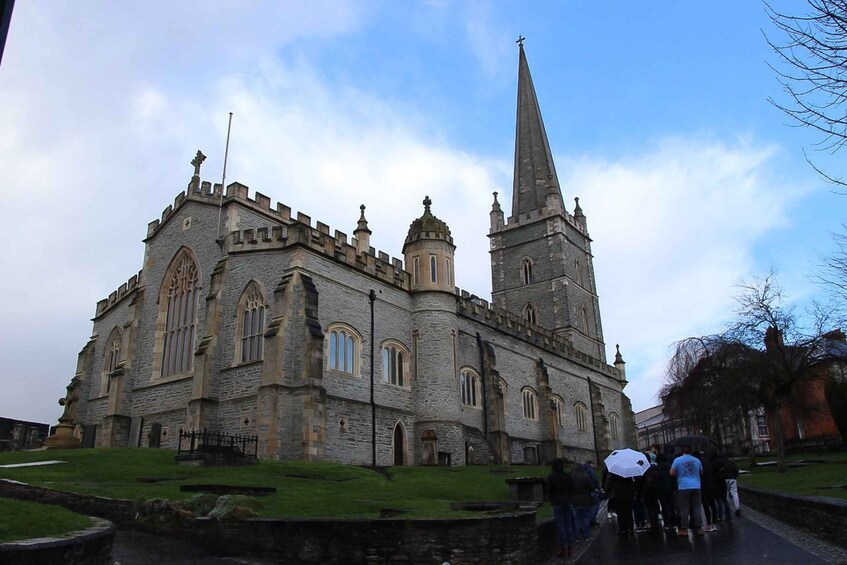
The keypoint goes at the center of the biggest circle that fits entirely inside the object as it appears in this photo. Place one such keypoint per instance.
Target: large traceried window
(251, 323)
(581, 414)
(471, 388)
(111, 358)
(344, 345)
(530, 403)
(395, 359)
(559, 406)
(614, 426)
(180, 305)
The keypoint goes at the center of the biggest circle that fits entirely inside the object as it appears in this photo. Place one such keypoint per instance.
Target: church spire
(536, 184)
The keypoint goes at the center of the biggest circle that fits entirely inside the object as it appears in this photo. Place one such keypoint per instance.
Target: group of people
(575, 498)
(687, 491)
(678, 492)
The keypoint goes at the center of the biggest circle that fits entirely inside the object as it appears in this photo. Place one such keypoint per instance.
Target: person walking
(560, 491)
(666, 491)
(582, 503)
(621, 491)
(730, 474)
(588, 467)
(687, 469)
(708, 492)
(724, 513)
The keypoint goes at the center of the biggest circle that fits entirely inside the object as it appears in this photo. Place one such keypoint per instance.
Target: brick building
(329, 350)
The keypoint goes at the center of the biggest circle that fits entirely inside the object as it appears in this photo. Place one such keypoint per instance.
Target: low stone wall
(92, 546)
(823, 517)
(503, 539)
(509, 538)
(121, 512)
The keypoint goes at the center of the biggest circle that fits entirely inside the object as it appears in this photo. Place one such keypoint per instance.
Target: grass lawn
(801, 480)
(21, 519)
(303, 489)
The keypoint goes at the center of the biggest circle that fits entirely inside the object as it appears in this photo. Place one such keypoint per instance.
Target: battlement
(209, 193)
(319, 240)
(523, 219)
(125, 289)
(479, 309)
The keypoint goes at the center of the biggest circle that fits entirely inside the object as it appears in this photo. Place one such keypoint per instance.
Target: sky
(657, 115)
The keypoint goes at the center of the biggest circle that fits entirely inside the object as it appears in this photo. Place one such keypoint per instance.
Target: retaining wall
(821, 516)
(512, 538)
(92, 546)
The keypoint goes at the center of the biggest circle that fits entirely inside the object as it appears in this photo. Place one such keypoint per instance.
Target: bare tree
(812, 69)
(794, 349)
(706, 384)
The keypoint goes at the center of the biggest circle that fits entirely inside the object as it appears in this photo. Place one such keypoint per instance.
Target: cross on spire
(520, 40)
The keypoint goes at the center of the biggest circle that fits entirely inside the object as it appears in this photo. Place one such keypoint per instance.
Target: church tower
(541, 261)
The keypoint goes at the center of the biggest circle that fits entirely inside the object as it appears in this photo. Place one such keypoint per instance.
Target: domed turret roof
(428, 227)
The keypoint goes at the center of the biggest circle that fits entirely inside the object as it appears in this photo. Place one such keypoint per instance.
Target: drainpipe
(593, 423)
(479, 346)
(372, 298)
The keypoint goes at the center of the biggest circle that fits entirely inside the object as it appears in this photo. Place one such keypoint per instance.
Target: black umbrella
(693, 441)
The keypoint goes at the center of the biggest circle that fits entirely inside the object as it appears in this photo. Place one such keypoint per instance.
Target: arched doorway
(399, 444)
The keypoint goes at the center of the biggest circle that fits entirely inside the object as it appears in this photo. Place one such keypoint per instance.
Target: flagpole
(223, 179)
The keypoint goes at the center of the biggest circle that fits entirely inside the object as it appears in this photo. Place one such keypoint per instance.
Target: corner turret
(428, 252)
(362, 233)
(620, 365)
(496, 215)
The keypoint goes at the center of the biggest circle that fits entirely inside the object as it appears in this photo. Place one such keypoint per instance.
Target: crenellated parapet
(319, 240)
(514, 222)
(210, 194)
(476, 308)
(115, 297)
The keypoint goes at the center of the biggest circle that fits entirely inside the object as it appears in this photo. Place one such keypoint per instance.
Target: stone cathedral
(329, 350)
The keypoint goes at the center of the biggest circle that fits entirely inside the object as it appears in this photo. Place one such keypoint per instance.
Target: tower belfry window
(526, 271)
(529, 313)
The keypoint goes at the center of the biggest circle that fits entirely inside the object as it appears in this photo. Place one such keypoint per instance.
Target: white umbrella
(627, 463)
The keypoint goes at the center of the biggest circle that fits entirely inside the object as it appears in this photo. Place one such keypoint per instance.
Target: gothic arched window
(614, 426)
(111, 358)
(530, 404)
(179, 306)
(559, 406)
(471, 388)
(251, 323)
(581, 413)
(395, 364)
(584, 319)
(526, 272)
(344, 343)
(529, 313)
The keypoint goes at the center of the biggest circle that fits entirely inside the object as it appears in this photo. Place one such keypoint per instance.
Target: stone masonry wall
(821, 516)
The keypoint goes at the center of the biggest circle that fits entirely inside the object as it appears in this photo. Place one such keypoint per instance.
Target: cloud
(674, 228)
(100, 121)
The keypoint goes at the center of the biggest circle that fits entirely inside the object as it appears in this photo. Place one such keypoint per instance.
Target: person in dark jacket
(621, 493)
(708, 491)
(650, 494)
(560, 491)
(666, 491)
(722, 470)
(588, 467)
(582, 502)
